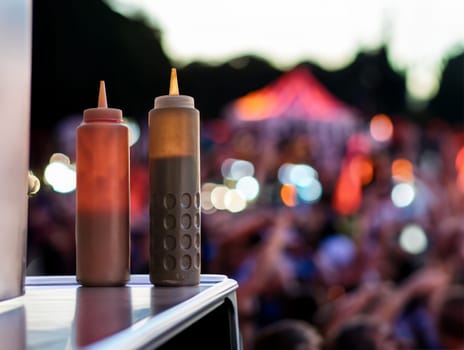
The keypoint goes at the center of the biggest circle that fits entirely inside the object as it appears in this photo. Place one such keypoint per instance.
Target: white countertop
(57, 313)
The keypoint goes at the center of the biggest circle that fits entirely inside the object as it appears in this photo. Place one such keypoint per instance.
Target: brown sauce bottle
(174, 157)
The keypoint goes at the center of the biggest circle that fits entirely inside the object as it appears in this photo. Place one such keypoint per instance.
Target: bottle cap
(174, 100)
(102, 112)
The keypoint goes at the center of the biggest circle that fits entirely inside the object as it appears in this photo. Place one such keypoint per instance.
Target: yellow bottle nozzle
(173, 86)
(102, 103)
(174, 99)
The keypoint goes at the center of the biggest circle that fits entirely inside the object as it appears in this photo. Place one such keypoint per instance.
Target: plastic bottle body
(102, 204)
(174, 196)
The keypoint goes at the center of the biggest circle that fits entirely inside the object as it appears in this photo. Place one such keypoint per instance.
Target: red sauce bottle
(102, 197)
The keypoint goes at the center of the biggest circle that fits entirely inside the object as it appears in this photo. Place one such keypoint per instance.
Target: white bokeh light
(235, 169)
(206, 204)
(217, 197)
(241, 168)
(234, 201)
(284, 172)
(302, 174)
(134, 130)
(413, 239)
(225, 167)
(61, 177)
(403, 194)
(248, 186)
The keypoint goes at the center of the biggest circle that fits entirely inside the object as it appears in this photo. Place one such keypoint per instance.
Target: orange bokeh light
(402, 170)
(381, 128)
(288, 195)
(256, 105)
(348, 192)
(361, 167)
(460, 160)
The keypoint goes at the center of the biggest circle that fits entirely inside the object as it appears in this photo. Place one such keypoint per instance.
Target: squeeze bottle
(174, 156)
(102, 197)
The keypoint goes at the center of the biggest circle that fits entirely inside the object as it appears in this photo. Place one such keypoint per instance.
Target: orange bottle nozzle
(102, 103)
(173, 86)
(102, 112)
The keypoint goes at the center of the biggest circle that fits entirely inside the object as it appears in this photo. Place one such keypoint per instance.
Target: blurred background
(332, 139)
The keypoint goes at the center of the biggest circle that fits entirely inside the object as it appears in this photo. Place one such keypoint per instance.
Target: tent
(296, 95)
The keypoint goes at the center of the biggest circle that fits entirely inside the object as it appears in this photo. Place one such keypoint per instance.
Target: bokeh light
(381, 128)
(225, 167)
(255, 106)
(59, 158)
(288, 194)
(296, 174)
(283, 173)
(235, 169)
(402, 170)
(134, 130)
(60, 174)
(206, 203)
(403, 194)
(241, 168)
(234, 201)
(413, 239)
(347, 196)
(312, 192)
(361, 167)
(248, 186)
(300, 181)
(217, 197)
(302, 174)
(460, 160)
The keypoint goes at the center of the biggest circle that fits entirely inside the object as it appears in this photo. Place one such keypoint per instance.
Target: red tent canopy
(297, 94)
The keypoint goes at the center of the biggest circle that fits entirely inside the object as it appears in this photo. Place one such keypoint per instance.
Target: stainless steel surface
(60, 314)
(15, 81)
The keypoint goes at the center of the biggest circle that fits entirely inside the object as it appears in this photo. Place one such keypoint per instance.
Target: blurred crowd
(336, 272)
(341, 272)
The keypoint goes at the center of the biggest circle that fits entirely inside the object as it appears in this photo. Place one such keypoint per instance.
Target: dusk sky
(421, 34)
